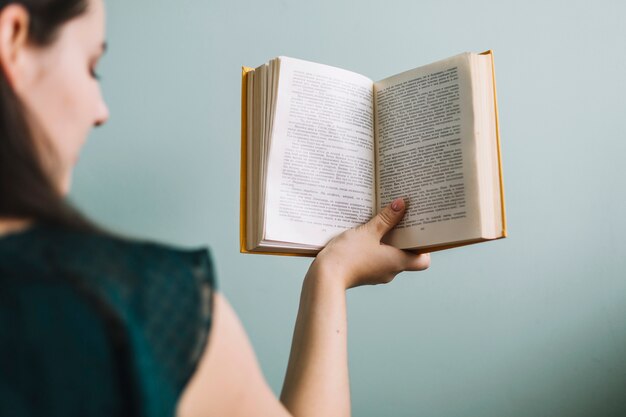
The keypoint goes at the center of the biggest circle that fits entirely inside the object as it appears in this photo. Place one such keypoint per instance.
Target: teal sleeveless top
(94, 325)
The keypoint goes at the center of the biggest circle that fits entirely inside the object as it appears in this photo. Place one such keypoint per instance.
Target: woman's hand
(357, 256)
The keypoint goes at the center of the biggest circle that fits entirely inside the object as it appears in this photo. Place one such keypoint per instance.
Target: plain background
(533, 325)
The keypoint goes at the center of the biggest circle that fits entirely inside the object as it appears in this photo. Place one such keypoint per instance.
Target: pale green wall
(534, 325)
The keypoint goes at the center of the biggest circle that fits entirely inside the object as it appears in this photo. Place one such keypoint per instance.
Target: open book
(324, 149)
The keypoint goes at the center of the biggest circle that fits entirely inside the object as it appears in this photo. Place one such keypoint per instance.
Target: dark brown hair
(26, 186)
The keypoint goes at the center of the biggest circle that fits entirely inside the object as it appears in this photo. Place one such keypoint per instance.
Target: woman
(93, 324)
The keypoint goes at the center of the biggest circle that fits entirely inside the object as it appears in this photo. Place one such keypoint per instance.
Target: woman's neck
(11, 225)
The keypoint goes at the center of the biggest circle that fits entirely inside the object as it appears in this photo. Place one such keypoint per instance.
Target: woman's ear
(14, 25)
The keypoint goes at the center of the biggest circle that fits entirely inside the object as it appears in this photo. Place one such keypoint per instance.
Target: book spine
(243, 201)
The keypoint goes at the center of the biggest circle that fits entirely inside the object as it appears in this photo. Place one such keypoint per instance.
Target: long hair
(26, 186)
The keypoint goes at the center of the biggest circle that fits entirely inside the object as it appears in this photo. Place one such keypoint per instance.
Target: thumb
(388, 217)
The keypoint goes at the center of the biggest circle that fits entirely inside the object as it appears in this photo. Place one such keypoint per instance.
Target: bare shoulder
(228, 380)
(9, 226)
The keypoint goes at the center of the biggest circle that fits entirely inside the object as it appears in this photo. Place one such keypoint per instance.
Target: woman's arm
(229, 381)
(317, 382)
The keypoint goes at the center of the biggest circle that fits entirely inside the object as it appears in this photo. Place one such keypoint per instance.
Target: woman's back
(96, 325)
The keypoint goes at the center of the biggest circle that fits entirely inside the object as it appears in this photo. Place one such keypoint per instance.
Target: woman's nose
(102, 114)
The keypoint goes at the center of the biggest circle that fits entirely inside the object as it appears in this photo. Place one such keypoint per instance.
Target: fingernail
(398, 204)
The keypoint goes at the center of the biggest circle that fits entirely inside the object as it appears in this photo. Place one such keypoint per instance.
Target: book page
(426, 152)
(488, 147)
(320, 178)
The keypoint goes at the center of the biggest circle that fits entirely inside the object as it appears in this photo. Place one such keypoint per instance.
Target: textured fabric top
(93, 325)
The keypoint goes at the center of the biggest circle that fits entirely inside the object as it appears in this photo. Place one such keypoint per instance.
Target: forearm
(317, 383)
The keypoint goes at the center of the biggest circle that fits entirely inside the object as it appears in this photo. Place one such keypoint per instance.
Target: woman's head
(49, 99)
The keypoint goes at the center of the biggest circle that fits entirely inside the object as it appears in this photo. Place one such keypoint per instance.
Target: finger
(388, 217)
(417, 262)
